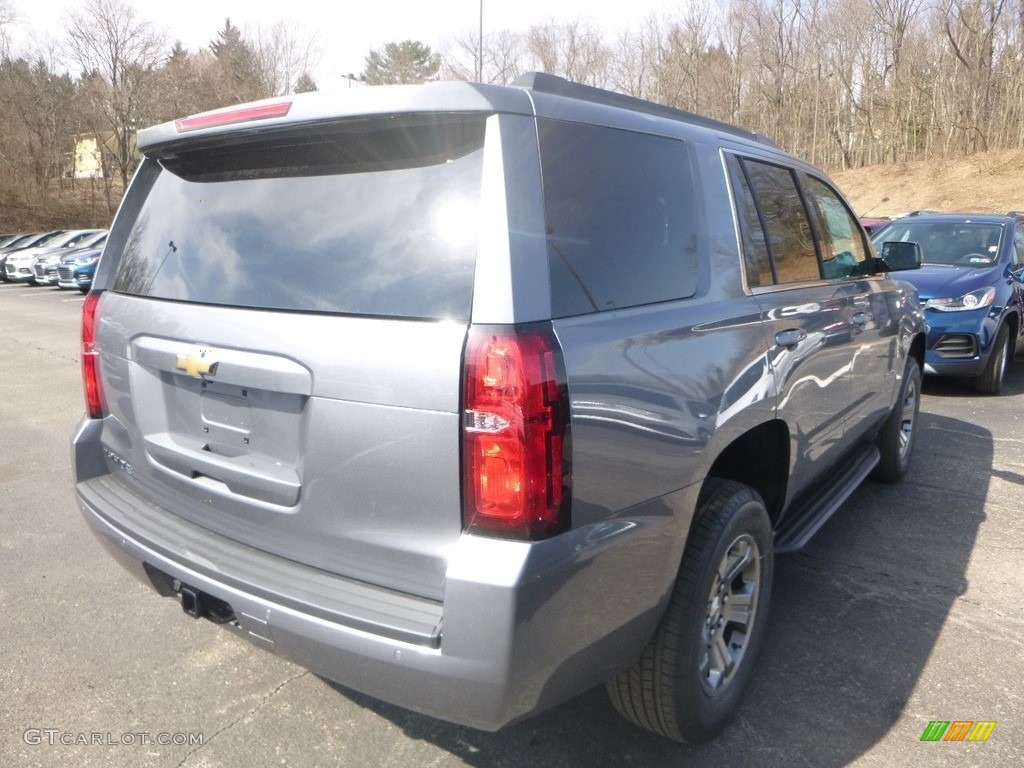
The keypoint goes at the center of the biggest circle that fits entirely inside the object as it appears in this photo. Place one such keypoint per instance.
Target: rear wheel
(990, 382)
(689, 680)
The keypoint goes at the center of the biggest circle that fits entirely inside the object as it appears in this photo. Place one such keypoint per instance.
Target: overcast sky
(347, 30)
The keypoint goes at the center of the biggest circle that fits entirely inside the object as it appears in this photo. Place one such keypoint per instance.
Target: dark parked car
(872, 225)
(76, 269)
(558, 374)
(972, 287)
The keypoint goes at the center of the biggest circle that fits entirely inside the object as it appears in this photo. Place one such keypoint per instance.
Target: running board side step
(813, 509)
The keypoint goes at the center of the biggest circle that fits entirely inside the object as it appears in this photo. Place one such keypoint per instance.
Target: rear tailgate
(280, 349)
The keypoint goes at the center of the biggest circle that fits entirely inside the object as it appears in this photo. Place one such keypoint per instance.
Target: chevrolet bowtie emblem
(198, 364)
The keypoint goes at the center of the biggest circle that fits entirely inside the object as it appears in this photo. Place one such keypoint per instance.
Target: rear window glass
(372, 217)
(621, 223)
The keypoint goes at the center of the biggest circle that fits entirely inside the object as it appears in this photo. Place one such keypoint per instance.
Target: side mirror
(897, 256)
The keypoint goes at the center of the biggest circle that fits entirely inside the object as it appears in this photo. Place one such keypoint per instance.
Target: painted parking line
(80, 298)
(37, 293)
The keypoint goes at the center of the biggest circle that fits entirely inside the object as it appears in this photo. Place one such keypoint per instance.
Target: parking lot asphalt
(905, 609)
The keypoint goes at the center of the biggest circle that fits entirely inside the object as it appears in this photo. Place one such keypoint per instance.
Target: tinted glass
(790, 241)
(755, 248)
(843, 253)
(22, 241)
(1018, 242)
(620, 216)
(48, 239)
(374, 217)
(959, 243)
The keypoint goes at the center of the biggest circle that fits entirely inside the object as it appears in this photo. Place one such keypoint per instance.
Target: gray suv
(472, 397)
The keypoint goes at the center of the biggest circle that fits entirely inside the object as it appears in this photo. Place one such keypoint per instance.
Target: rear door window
(621, 219)
(757, 261)
(373, 217)
(782, 219)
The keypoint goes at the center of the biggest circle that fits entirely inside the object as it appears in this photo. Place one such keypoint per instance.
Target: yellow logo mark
(982, 730)
(198, 365)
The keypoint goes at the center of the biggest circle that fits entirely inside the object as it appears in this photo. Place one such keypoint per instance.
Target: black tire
(899, 433)
(691, 677)
(990, 382)
(84, 290)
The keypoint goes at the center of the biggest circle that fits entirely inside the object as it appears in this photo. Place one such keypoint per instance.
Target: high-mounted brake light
(232, 115)
(94, 402)
(515, 434)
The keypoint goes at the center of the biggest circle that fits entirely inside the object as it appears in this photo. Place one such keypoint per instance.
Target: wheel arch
(1012, 319)
(759, 458)
(917, 349)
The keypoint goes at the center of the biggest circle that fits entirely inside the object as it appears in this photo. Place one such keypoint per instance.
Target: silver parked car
(20, 267)
(23, 242)
(470, 397)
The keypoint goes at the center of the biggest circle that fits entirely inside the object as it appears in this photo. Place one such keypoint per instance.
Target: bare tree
(574, 49)
(283, 52)
(504, 57)
(6, 17)
(972, 29)
(41, 98)
(106, 38)
(636, 60)
(684, 68)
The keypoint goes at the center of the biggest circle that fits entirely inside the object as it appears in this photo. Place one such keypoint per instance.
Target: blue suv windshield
(952, 243)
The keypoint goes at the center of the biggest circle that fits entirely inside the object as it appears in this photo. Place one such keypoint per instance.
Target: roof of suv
(461, 96)
(988, 218)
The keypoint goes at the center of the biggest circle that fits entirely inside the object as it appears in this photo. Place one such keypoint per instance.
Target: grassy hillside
(989, 182)
(986, 182)
(80, 206)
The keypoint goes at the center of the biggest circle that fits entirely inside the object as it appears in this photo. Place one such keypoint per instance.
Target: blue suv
(972, 286)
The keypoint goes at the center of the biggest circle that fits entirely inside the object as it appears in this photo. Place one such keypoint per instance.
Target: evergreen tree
(407, 62)
(239, 72)
(305, 84)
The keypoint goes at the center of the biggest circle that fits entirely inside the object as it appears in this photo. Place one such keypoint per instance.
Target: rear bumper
(522, 626)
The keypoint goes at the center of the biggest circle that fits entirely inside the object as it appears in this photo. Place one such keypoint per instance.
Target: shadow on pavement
(855, 617)
(953, 387)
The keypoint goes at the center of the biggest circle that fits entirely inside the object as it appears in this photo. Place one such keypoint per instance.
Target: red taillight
(91, 358)
(232, 115)
(515, 431)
